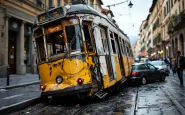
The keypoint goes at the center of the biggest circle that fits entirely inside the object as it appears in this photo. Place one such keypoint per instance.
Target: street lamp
(130, 4)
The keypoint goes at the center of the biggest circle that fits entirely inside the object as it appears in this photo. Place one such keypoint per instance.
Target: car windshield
(156, 63)
(134, 67)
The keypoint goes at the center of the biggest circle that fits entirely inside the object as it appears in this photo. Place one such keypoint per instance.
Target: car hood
(160, 67)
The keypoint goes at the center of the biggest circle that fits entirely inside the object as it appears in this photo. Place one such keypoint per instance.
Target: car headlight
(59, 79)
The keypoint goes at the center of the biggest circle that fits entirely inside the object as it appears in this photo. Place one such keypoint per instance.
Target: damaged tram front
(71, 57)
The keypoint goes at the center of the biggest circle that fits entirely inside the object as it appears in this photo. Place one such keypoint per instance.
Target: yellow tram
(80, 52)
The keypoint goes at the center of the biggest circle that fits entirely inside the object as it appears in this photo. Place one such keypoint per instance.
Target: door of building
(12, 52)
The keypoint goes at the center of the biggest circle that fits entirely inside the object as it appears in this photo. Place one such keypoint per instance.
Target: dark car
(143, 73)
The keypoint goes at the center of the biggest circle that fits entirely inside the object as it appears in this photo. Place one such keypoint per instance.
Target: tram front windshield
(74, 39)
(55, 43)
(59, 41)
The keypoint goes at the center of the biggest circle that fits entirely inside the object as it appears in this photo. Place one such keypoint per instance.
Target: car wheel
(143, 81)
(163, 77)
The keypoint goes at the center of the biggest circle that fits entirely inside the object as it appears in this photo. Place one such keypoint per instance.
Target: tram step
(101, 94)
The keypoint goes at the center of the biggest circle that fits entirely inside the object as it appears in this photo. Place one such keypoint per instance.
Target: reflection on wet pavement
(149, 99)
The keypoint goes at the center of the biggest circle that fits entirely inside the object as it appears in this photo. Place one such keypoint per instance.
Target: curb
(178, 105)
(18, 106)
(20, 85)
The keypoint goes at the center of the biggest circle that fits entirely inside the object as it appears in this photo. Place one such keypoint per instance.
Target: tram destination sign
(51, 15)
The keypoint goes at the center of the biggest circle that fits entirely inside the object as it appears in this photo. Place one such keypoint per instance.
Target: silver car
(161, 65)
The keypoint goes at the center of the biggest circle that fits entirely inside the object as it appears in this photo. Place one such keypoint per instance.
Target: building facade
(17, 51)
(166, 28)
(136, 48)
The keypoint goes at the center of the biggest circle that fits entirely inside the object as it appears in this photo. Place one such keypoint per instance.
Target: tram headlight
(59, 79)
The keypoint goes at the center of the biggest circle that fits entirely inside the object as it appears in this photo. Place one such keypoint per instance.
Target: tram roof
(85, 9)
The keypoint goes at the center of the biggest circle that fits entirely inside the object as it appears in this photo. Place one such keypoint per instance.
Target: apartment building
(166, 28)
(176, 26)
(136, 48)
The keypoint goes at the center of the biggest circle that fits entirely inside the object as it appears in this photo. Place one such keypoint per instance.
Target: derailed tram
(80, 52)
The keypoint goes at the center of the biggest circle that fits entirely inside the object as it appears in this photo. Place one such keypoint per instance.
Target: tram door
(103, 52)
(119, 54)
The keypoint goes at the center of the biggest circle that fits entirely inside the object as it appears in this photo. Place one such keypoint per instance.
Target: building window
(39, 3)
(50, 4)
(164, 12)
(59, 2)
(167, 7)
(171, 3)
(26, 50)
(86, 1)
(91, 3)
(74, 2)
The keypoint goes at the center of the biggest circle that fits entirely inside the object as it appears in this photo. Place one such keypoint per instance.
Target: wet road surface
(157, 98)
(16, 95)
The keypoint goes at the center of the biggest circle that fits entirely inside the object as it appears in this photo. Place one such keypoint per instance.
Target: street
(155, 98)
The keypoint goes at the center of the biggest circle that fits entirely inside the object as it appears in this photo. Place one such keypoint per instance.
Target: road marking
(10, 97)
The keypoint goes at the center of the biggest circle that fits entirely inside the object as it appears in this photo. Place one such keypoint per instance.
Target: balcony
(179, 20)
(36, 4)
(170, 27)
(157, 40)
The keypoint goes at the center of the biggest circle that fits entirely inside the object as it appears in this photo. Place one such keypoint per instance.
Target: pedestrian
(179, 67)
(169, 62)
(166, 61)
(173, 66)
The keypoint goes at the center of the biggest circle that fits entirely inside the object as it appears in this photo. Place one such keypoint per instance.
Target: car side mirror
(156, 68)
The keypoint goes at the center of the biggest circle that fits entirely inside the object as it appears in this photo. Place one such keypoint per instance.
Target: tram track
(67, 106)
(136, 99)
(81, 110)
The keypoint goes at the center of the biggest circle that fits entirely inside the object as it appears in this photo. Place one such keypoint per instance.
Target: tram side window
(74, 38)
(112, 43)
(123, 47)
(55, 43)
(104, 41)
(131, 53)
(127, 50)
(40, 48)
(87, 38)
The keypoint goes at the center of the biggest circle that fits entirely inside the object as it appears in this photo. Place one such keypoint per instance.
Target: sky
(130, 24)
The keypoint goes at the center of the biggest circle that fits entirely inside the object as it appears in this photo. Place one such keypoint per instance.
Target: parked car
(136, 60)
(143, 73)
(143, 60)
(162, 66)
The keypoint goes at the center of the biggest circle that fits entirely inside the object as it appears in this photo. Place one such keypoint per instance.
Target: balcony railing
(170, 27)
(37, 3)
(157, 40)
(179, 20)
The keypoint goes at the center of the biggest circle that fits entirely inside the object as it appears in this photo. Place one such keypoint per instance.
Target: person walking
(173, 66)
(179, 67)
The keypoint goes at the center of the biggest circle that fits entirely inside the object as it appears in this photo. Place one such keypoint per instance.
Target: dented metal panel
(98, 41)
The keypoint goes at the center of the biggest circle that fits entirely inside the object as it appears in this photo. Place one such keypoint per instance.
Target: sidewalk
(23, 91)
(16, 80)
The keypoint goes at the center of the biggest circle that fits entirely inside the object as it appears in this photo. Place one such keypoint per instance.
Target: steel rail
(81, 110)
